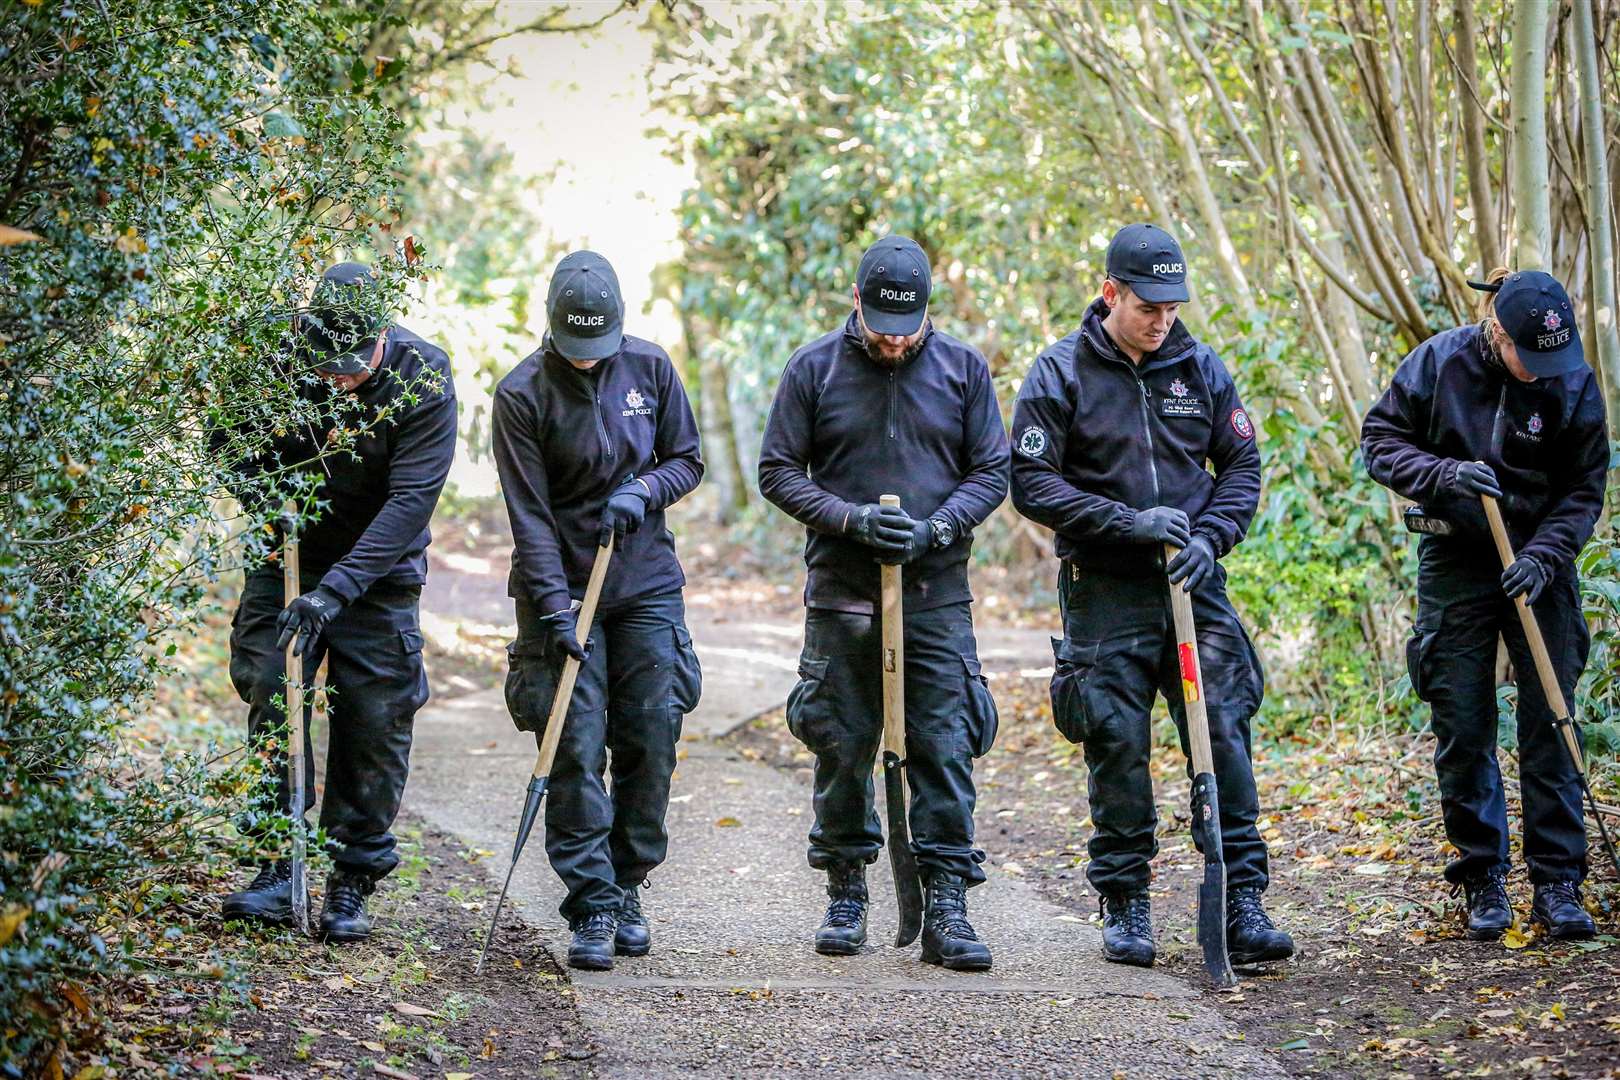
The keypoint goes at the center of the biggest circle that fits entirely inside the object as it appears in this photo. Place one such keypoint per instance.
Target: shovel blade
(1206, 824)
(902, 863)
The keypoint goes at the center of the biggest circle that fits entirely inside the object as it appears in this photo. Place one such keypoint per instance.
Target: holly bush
(173, 175)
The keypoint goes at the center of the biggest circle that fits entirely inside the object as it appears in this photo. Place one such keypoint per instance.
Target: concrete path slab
(733, 989)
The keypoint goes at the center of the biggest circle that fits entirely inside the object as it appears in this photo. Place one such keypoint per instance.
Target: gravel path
(732, 987)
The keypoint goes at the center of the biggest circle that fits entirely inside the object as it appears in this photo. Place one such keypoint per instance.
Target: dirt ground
(1384, 983)
(403, 1004)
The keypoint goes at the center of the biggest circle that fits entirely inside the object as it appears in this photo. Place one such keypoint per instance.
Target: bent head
(889, 350)
(1137, 326)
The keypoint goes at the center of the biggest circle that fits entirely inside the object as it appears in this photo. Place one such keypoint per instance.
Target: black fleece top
(1547, 441)
(379, 493)
(564, 439)
(1097, 438)
(844, 430)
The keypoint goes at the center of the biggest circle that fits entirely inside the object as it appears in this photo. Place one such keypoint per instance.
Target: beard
(874, 351)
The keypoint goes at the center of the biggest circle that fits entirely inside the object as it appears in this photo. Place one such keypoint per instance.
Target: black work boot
(843, 930)
(633, 937)
(1558, 907)
(267, 899)
(592, 947)
(1128, 929)
(343, 910)
(1490, 913)
(1250, 936)
(947, 937)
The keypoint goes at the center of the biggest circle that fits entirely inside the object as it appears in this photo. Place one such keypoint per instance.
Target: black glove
(1161, 525)
(307, 618)
(916, 545)
(625, 509)
(1477, 478)
(561, 632)
(1524, 576)
(1193, 564)
(886, 528)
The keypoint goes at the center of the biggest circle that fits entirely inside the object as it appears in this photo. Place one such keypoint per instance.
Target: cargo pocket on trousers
(1420, 648)
(531, 683)
(982, 720)
(687, 687)
(1071, 671)
(810, 710)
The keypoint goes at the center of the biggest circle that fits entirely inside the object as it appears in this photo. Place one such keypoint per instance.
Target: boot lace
(1133, 913)
(630, 907)
(597, 926)
(1247, 913)
(1487, 890)
(346, 895)
(1566, 891)
(846, 888)
(271, 875)
(948, 908)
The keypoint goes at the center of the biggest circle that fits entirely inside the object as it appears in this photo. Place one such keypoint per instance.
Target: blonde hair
(1488, 326)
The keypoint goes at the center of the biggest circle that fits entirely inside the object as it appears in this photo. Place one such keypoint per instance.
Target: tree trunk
(1599, 225)
(1486, 225)
(1532, 221)
(1192, 163)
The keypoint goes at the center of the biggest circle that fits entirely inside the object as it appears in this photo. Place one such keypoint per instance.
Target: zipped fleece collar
(856, 339)
(1177, 344)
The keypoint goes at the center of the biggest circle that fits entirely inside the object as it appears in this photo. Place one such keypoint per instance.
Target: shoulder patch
(1032, 443)
(1242, 425)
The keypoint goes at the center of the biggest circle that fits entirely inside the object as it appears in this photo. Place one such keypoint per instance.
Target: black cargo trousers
(1118, 651)
(640, 681)
(836, 710)
(375, 683)
(1451, 656)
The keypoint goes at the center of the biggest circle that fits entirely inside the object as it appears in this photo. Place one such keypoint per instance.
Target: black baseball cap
(1149, 260)
(894, 281)
(344, 317)
(1535, 311)
(584, 309)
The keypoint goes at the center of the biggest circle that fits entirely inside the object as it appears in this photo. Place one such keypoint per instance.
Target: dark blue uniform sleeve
(784, 457)
(1578, 486)
(984, 456)
(522, 468)
(675, 444)
(1232, 450)
(1041, 418)
(1395, 427)
(424, 447)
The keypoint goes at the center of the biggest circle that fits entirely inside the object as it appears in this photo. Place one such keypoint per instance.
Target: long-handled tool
(902, 861)
(1548, 675)
(548, 742)
(291, 590)
(1206, 802)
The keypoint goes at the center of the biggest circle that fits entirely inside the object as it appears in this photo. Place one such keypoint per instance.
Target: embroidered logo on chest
(637, 404)
(1180, 401)
(1532, 428)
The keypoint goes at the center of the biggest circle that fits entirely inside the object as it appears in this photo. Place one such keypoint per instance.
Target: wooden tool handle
(291, 589)
(570, 669)
(894, 653)
(1532, 634)
(1192, 675)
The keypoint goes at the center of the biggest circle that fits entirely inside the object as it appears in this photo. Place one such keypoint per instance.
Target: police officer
(888, 404)
(1507, 408)
(1111, 433)
(593, 439)
(363, 562)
